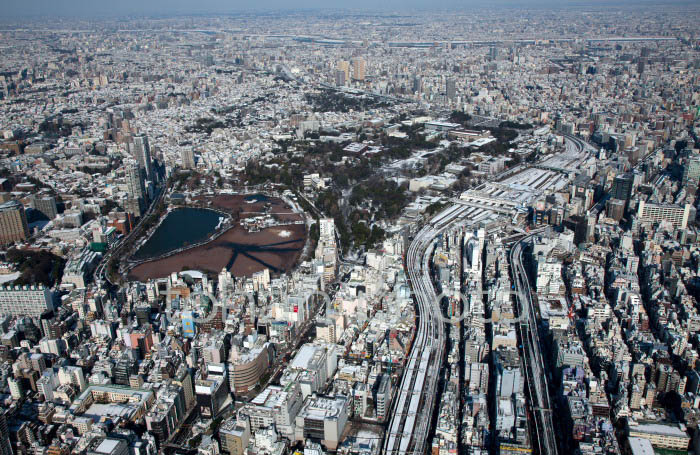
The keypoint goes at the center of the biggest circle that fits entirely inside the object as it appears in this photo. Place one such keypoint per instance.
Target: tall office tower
(340, 78)
(45, 204)
(417, 84)
(13, 222)
(5, 446)
(142, 153)
(344, 66)
(450, 89)
(358, 69)
(136, 188)
(188, 158)
(640, 66)
(691, 170)
(493, 53)
(622, 187)
(134, 181)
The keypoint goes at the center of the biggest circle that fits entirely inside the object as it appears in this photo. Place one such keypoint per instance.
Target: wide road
(101, 275)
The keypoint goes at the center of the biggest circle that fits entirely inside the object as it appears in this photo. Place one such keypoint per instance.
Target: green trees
(314, 232)
(515, 125)
(460, 117)
(364, 236)
(434, 208)
(36, 267)
(503, 134)
(383, 195)
(334, 101)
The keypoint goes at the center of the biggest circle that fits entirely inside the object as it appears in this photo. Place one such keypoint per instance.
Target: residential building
(13, 223)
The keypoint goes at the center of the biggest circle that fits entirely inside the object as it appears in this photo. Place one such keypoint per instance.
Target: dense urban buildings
(463, 232)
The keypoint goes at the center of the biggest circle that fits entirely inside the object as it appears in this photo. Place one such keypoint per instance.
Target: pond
(180, 228)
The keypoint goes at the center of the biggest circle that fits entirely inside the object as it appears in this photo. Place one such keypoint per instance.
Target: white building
(677, 215)
(312, 367)
(25, 300)
(322, 419)
(275, 405)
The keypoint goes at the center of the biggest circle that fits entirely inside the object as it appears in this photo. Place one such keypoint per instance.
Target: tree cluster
(36, 266)
(385, 196)
(515, 125)
(334, 101)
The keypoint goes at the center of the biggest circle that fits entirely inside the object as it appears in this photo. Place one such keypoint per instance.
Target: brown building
(615, 209)
(13, 223)
(246, 370)
(234, 436)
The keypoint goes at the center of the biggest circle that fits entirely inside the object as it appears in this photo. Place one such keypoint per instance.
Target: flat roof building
(107, 446)
(323, 419)
(29, 301)
(677, 215)
(234, 436)
(661, 436)
(275, 405)
(13, 223)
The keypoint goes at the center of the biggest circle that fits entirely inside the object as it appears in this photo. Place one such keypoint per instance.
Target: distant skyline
(88, 8)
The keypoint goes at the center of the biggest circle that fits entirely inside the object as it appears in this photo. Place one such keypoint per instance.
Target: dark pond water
(180, 228)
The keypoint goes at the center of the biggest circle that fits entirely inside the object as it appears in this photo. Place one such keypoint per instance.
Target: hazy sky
(176, 7)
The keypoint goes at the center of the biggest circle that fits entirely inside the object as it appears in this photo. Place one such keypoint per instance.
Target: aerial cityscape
(340, 229)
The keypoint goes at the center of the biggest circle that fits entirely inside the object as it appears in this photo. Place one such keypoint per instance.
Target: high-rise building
(622, 187)
(677, 215)
(640, 66)
(13, 222)
(45, 204)
(615, 209)
(184, 379)
(29, 301)
(325, 330)
(344, 66)
(327, 229)
(123, 369)
(276, 406)
(246, 370)
(72, 375)
(450, 89)
(5, 446)
(340, 78)
(188, 158)
(211, 392)
(358, 69)
(16, 389)
(383, 397)
(142, 153)
(417, 84)
(135, 188)
(691, 170)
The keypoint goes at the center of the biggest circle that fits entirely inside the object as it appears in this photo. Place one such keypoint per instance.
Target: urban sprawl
(471, 232)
